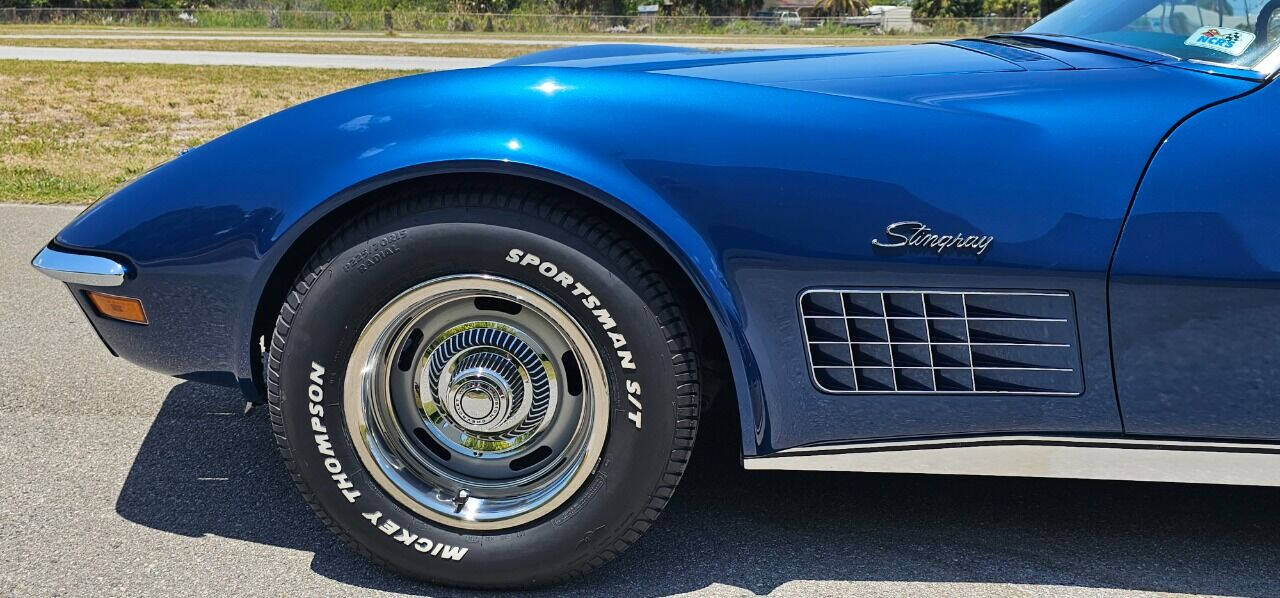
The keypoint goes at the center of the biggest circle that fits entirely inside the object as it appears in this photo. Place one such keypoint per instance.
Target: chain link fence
(437, 22)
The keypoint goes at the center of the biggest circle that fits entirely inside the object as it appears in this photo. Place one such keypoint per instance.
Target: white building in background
(884, 18)
(893, 17)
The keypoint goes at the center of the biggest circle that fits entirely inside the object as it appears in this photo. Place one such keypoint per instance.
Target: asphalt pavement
(118, 482)
(218, 57)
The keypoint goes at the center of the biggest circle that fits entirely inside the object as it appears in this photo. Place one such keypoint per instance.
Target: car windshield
(1239, 33)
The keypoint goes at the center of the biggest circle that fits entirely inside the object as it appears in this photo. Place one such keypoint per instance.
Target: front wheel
(485, 389)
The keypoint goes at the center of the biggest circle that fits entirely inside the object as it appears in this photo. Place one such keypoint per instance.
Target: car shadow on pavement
(204, 468)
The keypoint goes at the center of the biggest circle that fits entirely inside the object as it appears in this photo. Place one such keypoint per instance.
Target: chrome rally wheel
(483, 387)
(478, 402)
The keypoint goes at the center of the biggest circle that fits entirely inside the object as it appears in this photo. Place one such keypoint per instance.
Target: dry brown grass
(797, 37)
(70, 132)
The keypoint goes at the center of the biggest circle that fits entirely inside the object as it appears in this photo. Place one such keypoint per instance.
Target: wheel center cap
(490, 383)
(477, 402)
(480, 400)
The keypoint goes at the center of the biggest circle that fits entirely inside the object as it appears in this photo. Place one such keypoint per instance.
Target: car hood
(841, 71)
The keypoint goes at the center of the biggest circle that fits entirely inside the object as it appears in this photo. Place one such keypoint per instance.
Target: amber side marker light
(115, 307)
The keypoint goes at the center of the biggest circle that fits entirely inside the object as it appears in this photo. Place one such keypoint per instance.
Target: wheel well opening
(716, 381)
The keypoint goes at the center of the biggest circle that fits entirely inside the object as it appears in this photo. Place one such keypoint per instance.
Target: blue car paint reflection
(764, 174)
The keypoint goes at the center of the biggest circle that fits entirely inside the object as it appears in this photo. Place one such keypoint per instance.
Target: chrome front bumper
(77, 268)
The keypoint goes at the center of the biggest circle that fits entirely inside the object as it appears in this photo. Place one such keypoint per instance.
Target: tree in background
(960, 9)
(923, 8)
(1011, 8)
(947, 9)
(725, 7)
(842, 8)
(94, 4)
(1048, 6)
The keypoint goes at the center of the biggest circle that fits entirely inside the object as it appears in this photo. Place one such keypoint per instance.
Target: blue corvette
(488, 308)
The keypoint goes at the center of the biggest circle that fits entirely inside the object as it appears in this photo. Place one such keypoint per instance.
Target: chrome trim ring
(78, 268)
(476, 402)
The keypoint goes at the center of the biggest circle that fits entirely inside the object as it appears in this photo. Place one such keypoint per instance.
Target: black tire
(383, 253)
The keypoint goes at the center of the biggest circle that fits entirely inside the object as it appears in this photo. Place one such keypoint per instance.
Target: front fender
(209, 228)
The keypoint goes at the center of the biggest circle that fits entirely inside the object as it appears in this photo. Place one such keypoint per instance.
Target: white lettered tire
(483, 387)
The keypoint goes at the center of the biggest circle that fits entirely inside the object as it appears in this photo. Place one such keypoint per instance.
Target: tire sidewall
(391, 258)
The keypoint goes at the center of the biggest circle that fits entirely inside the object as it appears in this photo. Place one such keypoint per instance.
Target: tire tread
(645, 279)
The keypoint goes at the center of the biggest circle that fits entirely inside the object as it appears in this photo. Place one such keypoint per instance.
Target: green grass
(70, 132)
(824, 36)
(418, 20)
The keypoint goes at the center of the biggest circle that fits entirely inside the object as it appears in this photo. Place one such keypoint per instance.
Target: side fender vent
(880, 341)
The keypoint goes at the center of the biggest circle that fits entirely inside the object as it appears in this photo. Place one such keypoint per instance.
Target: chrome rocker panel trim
(1046, 457)
(77, 268)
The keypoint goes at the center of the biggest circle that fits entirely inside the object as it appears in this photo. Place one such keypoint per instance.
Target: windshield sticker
(1222, 39)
